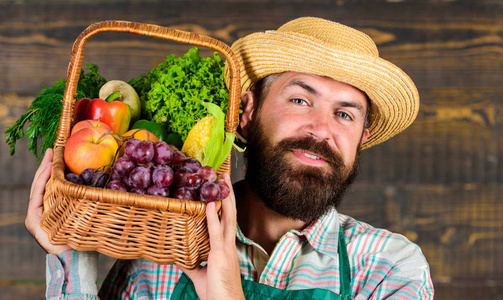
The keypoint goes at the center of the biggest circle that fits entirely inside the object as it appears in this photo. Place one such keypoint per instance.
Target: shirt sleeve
(72, 275)
(400, 272)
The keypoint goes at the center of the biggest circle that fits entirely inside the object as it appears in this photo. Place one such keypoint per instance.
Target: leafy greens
(44, 113)
(172, 92)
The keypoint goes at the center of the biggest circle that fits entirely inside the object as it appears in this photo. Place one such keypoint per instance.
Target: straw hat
(322, 47)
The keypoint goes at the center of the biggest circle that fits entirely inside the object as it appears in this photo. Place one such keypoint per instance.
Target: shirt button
(58, 274)
(269, 278)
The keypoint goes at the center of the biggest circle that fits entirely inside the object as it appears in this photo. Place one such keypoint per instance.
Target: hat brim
(393, 95)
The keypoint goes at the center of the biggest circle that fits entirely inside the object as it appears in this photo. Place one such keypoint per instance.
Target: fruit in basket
(157, 191)
(89, 148)
(130, 146)
(210, 191)
(136, 134)
(193, 181)
(152, 127)
(141, 134)
(190, 163)
(224, 189)
(207, 173)
(178, 157)
(112, 112)
(163, 176)
(90, 177)
(181, 176)
(185, 193)
(87, 176)
(187, 179)
(140, 177)
(100, 179)
(143, 153)
(124, 165)
(74, 178)
(117, 185)
(89, 123)
(163, 153)
(127, 95)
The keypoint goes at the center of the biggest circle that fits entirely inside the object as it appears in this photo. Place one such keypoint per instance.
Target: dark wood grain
(439, 182)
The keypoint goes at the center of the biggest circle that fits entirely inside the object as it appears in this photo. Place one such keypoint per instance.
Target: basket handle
(75, 65)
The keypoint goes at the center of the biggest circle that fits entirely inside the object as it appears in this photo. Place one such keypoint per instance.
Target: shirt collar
(242, 238)
(322, 234)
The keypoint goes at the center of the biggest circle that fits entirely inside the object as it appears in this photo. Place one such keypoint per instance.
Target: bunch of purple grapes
(157, 169)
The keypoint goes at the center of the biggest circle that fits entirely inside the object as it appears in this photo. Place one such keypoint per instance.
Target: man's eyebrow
(356, 105)
(303, 85)
(313, 91)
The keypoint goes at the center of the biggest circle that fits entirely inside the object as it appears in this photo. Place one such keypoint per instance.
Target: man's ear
(248, 107)
(365, 135)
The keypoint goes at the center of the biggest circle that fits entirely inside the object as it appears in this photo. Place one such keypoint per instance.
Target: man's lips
(309, 158)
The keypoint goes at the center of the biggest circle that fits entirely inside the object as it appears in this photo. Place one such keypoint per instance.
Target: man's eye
(299, 101)
(343, 115)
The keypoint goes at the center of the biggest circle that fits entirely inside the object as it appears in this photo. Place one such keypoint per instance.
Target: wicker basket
(120, 224)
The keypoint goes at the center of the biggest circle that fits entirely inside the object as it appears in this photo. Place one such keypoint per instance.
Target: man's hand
(220, 278)
(35, 208)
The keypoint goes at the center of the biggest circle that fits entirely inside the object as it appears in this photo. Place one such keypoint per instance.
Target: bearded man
(315, 93)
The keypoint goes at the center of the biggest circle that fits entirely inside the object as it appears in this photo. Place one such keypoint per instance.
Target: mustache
(320, 148)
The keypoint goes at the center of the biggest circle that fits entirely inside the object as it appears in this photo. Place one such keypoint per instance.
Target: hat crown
(332, 33)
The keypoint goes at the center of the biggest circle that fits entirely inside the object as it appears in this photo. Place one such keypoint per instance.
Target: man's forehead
(288, 79)
(297, 77)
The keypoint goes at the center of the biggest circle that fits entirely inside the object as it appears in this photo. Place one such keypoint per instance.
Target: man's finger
(194, 273)
(214, 226)
(43, 166)
(40, 179)
(229, 222)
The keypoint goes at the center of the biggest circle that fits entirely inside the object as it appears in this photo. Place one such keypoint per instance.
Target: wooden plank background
(439, 182)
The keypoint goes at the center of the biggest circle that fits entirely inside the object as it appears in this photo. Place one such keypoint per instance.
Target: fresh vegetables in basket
(153, 164)
(207, 141)
(181, 103)
(152, 167)
(172, 93)
(44, 113)
(115, 114)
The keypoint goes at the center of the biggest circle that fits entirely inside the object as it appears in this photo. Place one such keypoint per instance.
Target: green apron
(258, 291)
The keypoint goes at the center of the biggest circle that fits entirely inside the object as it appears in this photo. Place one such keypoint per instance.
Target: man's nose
(319, 124)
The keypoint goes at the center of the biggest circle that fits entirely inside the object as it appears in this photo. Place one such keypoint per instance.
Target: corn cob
(198, 137)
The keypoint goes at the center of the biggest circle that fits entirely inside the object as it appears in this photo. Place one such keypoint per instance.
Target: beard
(298, 192)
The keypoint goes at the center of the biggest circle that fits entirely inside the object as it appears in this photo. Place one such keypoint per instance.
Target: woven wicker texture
(127, 225)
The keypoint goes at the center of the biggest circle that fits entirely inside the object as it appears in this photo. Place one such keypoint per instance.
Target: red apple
(140, 134)
(89, 148)
(89, 123)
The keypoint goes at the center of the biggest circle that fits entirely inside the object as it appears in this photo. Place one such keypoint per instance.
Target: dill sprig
(44, 113)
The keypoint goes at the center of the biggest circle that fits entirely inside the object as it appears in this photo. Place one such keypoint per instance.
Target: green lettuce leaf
(173, 91)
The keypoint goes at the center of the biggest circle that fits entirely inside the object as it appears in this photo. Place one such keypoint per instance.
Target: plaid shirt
(384, 265)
